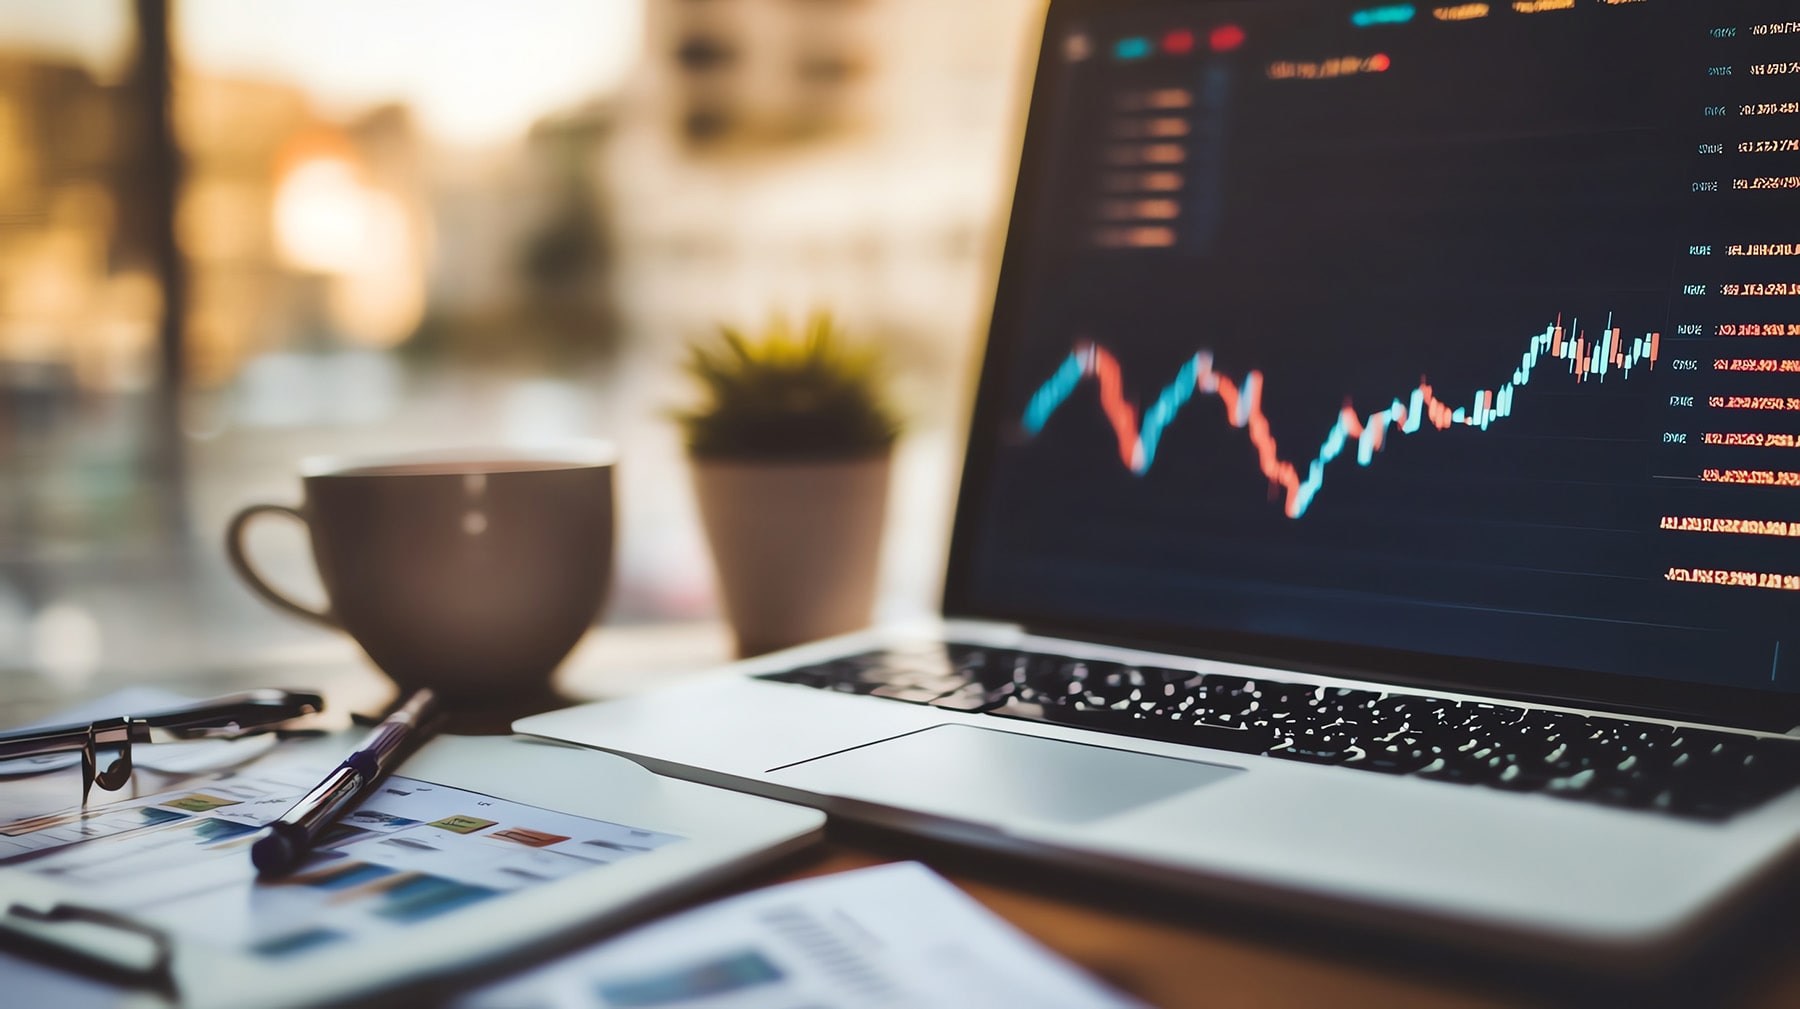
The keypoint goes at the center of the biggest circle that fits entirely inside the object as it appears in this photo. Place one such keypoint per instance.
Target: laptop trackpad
(986, 775)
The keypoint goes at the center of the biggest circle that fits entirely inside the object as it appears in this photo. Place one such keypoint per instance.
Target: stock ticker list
(1531, 342)
(1733, 405)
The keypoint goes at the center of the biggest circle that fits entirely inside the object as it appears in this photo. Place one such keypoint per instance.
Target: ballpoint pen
(286, 842)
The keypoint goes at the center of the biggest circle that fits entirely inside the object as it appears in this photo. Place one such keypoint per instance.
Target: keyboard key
(1475, 767)
(973, 697)
(1397, 758)
(1519, 776)
(912, 693)
(1318, 745)
(1241, 739)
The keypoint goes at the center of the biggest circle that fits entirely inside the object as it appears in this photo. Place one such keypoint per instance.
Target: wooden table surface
(1176, 954)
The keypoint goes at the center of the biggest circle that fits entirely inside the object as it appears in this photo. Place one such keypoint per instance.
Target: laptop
(1382, 495)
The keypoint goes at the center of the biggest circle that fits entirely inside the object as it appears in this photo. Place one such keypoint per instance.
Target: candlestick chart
(1420, 409)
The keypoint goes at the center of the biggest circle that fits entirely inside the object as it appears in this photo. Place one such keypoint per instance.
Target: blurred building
(301, 233)
(778, 155)
(74, 304)
(756, 73)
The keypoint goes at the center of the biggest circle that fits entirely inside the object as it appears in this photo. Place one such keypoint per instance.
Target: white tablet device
(474, 849)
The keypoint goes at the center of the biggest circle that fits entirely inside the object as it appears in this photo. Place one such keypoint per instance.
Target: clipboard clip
(105, 745)
(106, 757)
(94, 941)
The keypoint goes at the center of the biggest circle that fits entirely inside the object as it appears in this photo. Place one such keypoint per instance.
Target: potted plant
(791, 444)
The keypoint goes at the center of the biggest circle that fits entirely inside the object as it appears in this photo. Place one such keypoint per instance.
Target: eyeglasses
(105, 745)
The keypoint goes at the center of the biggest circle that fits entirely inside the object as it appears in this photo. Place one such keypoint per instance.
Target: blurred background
(234, 235)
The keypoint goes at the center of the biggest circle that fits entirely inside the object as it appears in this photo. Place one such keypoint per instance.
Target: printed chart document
(414, 850)
(891, 936)
(474, 848)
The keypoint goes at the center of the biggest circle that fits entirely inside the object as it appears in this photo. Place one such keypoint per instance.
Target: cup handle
(240, 561)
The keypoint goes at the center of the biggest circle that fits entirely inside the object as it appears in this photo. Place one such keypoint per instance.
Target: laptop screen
(1462, 329)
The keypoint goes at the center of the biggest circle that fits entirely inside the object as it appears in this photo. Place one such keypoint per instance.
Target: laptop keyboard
(1619, 762)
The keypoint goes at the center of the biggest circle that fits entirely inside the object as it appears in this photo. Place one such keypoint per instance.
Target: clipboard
(473, 850)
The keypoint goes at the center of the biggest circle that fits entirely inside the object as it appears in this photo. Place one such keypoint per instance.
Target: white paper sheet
(891, 936)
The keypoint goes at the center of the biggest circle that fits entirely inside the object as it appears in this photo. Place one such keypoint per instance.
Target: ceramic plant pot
(796, 545)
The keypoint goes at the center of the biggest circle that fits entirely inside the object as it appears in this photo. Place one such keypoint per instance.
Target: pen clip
(96, 942)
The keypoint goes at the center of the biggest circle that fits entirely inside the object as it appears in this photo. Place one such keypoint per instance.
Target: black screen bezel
(1764, 709)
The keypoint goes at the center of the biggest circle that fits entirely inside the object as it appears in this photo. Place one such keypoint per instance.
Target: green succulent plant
(787, 394)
